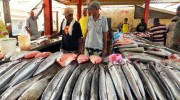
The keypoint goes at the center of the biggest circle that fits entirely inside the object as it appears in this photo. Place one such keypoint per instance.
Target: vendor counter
(52, 46)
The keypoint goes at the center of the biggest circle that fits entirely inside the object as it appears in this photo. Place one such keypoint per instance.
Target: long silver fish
(77, 88)
(14, 92)
(25, 72)
(68, 89)
(94, 84)
(53, 83)
(175, 90)
(35, 91)
(85, 88)
(111, 93)
(47, 62)
(173, 75)
(102, 85)
(5, 78)
(125, 84)
(146, 82)
(117, 81)
(59, 88)
(5, 67)
(159, 93)
(138, 80)
(131, 80)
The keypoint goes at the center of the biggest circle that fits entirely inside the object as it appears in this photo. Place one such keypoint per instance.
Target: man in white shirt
(96, 34)
(31, 24)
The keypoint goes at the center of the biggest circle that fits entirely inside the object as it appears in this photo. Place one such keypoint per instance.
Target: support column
(79, 5)
(48, 28)
(7, 14)
(146, 11)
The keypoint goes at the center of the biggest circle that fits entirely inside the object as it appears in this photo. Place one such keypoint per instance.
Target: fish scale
(94, 84)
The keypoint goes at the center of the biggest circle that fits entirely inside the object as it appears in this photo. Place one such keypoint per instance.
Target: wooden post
(146, 11)
(79, 5)
(48, 28)
(7, 14)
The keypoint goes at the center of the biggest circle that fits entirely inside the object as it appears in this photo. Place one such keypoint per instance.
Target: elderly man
(176, 38)
(71, 33)
(96, 34)
(31, 24)
(3, 30)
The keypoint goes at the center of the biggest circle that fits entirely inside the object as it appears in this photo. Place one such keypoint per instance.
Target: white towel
(70, 26)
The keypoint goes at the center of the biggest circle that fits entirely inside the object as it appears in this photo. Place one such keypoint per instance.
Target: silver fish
(102, 85)
(175, 90)
(146, 82)
(77, 89)
(94, 85)
(25, 72)
(53, 83)
(35, 91)
(5, 67)
(47, 62)
(125, 84)
(59, 88)
(117, 81)
(131, 80)
(68, 89)
(14, 92)
(85, 88)
(111, 93)
(138, 80)
(5, 78)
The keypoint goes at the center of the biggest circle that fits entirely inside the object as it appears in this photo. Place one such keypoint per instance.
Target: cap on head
(68, 11)
(94, 5)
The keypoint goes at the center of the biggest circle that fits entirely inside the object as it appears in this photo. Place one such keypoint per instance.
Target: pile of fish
(42, 78)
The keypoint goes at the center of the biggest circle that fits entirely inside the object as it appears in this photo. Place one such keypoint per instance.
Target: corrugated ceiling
(118, 2)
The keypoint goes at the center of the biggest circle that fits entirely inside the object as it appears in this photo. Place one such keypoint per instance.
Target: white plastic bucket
(8, 45)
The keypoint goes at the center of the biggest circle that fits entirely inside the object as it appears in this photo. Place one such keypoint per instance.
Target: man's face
(178, 13)
(31, 14)
(85, 12)
(93, 11)
(69, 17)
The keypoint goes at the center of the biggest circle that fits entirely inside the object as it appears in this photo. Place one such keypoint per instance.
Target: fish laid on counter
(47, 62)
(7, 77)
(14, 92)
(43, 55)
(35, 91)
(26, 72)
(82, 58)
(66, 59)
(19, 55)
(31, 54)
(95, 59)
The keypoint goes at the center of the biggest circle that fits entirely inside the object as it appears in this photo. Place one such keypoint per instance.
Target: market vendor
(97, 30)
(31, 24)
(71, 33)
(3, 30)
(176, 38)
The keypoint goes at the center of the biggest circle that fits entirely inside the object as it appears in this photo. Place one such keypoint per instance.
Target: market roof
(117, 2)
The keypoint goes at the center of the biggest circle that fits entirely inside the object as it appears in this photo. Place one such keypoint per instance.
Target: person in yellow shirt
(125, 26)
(3, 30)
(83, 21)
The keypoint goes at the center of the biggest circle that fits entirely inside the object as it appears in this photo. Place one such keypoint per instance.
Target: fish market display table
(53, 46)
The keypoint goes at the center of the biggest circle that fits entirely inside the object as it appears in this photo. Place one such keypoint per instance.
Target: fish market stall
(140, 72)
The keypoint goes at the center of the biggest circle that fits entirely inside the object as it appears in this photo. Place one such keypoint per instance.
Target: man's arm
(105, 43)
(40, 10)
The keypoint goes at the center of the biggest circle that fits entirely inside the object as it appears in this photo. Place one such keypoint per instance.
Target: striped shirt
(158, 33)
